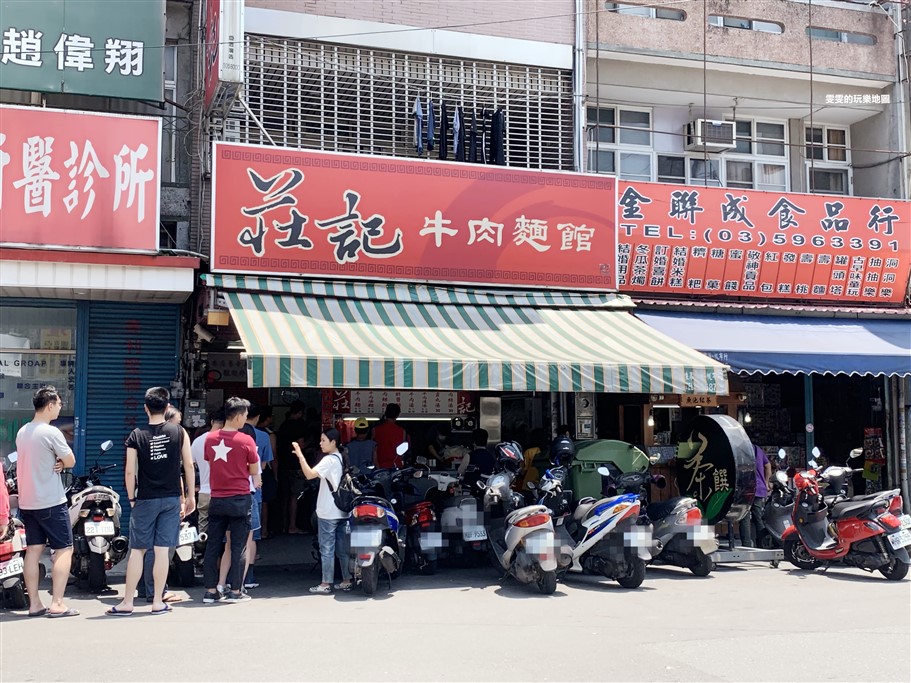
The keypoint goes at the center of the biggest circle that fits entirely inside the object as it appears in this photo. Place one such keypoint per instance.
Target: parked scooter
(12, 545)
(776, 518)
(869, 532)
(377, 537)
(186, 557)
(94, 511)
(679, 532)
(465, 540)
(522, 541)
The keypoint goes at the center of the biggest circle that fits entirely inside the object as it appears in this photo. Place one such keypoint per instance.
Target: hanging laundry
(431, 124)
(473, 140)
(418, 114)
(458, 134)
(498, 138)
(444, 132)
(483, 140)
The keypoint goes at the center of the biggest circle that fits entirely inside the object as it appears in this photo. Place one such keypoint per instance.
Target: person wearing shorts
(156, 453)
(42, 454)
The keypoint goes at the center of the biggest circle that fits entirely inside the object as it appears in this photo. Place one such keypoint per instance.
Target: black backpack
(347, 490)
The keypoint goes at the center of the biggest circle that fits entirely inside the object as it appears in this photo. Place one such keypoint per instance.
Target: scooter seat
(851, 508)
(583, 508)
(660, 510)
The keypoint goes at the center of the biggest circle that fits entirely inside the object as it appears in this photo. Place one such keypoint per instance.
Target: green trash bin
(590, 455)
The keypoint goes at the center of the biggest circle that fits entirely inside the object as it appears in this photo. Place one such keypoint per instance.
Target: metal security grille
(339, 98)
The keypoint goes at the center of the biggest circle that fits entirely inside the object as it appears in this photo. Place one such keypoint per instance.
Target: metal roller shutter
(131, 347)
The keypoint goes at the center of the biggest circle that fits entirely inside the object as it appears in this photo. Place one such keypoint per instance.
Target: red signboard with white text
(725, 242)
(78, 180)
(294, 212)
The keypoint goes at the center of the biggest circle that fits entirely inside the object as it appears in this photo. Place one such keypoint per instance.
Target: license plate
(900, 538)
(476, 534)
(905, 520)
(11, 568)
(187, 536)
(99, 528)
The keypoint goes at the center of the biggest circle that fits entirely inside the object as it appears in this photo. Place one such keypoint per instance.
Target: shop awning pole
(808, 414)
(903, 441)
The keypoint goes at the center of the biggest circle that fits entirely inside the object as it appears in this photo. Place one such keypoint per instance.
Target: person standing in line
(333, 536)
(156, 454)
(291, 480)
(42, 455)
(388, 436)
(751, 524)
(198, 449)
(270, 474)
(362, 450)
(174, 416)
(232, 460)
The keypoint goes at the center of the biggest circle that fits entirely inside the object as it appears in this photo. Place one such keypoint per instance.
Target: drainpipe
(579, 88)
(903, 442)
(902, 97)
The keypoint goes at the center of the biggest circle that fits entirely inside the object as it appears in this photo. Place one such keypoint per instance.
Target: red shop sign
(292, 212)
(77, 179)
(717, 242)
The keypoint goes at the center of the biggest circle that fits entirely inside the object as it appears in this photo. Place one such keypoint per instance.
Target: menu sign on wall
(717, 242)
(371, 403)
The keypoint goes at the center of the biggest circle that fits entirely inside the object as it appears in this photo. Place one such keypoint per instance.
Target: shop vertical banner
(76, 179)
(113, 48)
(294, 212)
(725, 242)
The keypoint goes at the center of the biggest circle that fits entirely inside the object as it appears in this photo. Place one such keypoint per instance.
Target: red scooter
(869, 532)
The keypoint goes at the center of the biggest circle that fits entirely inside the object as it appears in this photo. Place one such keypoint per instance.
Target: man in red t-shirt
(388, 435)
(232, 459)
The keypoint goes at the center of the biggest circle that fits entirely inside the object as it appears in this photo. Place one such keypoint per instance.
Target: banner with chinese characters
(87, 47)
(77, 179)
(364, 403)
(291, 212)
(717, 242)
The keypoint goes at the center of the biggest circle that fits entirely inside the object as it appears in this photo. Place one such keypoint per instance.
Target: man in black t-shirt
(156, 454)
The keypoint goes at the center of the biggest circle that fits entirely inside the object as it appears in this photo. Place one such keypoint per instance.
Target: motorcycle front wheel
(96, 579)
(797, 554)
(369, 578)
(896, 570)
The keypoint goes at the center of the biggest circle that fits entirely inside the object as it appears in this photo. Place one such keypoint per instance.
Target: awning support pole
(808, 412)
(903, 442)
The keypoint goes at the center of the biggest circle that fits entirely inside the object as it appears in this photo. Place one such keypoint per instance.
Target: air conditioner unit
(704, 135)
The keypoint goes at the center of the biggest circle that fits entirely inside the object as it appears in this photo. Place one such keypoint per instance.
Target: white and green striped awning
(400, 343)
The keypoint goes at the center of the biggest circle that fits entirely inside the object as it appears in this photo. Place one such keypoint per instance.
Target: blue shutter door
(131, 347)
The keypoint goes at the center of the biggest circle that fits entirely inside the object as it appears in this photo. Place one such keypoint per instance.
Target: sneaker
(211, 597)
(251, 584)
(236, 596)
(223, 590)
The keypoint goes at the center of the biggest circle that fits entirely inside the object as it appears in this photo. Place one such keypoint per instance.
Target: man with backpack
(333, 539)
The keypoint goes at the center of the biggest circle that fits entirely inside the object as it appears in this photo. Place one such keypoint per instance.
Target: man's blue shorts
(256, 525)
(48, 526)
(155, 522)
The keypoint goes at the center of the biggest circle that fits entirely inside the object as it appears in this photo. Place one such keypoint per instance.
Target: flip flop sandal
(321, 590)
(60, 615)
(39, 613)
(344, 587)
(114, 612)
(170, 597)
(163, 610)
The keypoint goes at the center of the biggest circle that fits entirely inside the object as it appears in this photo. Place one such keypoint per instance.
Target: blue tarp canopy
(779, 344)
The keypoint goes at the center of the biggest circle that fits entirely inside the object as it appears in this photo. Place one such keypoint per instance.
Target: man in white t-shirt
(198, 449)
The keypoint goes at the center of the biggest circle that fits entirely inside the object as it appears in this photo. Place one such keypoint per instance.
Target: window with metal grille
(331, 97)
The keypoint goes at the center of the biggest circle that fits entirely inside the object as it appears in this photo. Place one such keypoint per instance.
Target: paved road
(743, 623)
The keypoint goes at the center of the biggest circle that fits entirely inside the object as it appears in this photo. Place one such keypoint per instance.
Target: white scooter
(94, 511)
(521, 536)
(12, 545)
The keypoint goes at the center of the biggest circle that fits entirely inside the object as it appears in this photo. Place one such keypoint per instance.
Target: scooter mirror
(531, 486)
(604, 472)
(816, 452)
(782, 453)
(13, 457)
(418, 474)
(813, 464)
(402, 448)
(653, 460)
(106, 446)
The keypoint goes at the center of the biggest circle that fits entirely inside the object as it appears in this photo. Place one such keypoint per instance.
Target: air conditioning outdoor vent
(704, 135)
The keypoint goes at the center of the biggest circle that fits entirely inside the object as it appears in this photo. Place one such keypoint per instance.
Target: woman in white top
(333, 539)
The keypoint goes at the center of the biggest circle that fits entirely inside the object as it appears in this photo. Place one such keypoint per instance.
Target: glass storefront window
(37, 347)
